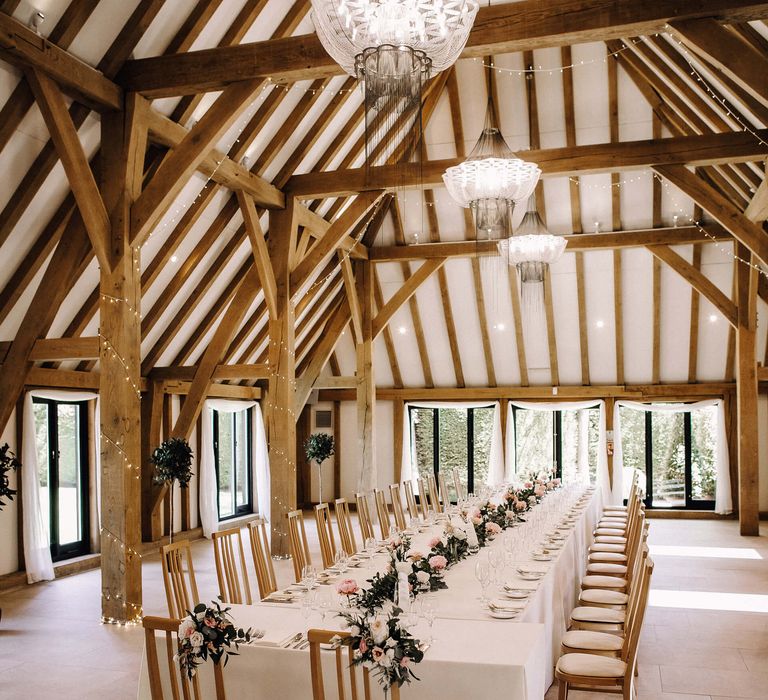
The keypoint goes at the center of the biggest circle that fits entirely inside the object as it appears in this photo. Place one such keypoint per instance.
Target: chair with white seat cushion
(594, 669)
(603, 598)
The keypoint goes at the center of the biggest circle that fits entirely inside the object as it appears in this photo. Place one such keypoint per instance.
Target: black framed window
(452, 438)
(560, 441)
(61, 437)
(674, 454)
(232, 452)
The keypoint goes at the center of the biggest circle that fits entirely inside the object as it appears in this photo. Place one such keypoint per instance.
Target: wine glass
(370, 546)
(429, 612)
(308, 604)
(309, 576)
(496, 560)
(483, 575)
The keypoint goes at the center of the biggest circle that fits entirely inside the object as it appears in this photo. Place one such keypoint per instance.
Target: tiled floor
(695, 645)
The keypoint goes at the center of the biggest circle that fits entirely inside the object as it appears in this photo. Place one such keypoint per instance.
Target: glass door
(61, 436)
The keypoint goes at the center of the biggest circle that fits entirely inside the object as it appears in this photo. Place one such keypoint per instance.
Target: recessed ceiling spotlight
(402, 330)
(499, 326)
(712, 318)
(600, 324)
(174, 258)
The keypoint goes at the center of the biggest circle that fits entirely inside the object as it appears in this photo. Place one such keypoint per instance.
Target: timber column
(123, 148)
(366, 384)
(279, 408)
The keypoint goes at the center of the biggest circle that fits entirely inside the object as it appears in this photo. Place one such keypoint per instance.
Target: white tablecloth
(470, 650)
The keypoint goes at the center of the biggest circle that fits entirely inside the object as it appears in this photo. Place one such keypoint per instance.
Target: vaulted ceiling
(622, 306)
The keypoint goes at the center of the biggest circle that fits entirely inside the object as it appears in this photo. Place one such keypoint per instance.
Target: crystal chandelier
(491, 180)
(393, 47)
(532, 250)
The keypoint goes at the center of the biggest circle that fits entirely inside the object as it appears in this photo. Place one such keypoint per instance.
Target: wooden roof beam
(498, 29)
(579, 242)
(709, 149)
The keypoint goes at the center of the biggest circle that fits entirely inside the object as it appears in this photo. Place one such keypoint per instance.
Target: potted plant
(318, 447)
(173, 462)
(8, 463)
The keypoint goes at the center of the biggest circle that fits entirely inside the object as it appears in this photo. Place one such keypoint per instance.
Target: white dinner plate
(541, 557)
(517, 593)
(503, 614)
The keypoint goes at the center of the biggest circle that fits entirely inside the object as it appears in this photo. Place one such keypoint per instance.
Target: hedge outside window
(232, 451)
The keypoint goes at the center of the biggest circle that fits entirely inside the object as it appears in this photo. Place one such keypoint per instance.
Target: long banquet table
(470, 651)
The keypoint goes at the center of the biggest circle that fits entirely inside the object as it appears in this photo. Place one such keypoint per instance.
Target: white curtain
(723, 501)
(603, 479)
(496, 469)
(37, 541)
(207, 487)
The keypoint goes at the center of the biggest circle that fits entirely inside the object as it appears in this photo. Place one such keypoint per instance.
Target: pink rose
(520, 505)
(539, 491)
(438, 562)
(557, 482)
(477, 520)
(404, 662)
(377, 653)
(209, 622)
(347, 587)
(492, 528)
(474, 513)
(434, 542)
(363, 646)
(415, 555)
(528, 485)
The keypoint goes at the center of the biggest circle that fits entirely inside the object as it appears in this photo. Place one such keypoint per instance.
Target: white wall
(9, 560)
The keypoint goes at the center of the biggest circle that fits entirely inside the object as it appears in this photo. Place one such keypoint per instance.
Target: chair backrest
(632, 631)
(344, 523)
(228, 552)
(346, 672)
(410, 500)
(262, 557)
(325, 534)
(382, 512)
(178, 682)
(179, 578)
(424, 498)
(460, 495)
(434, 498)
(445, 497)
(364, 516)
(297, 536)
(397, 507)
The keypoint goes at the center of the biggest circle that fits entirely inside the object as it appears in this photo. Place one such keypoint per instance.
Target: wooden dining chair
(443, 493)
(410, 500)
(180, 686)
(397, 507)
(460, 495)
(262, 557)
(364, 516)
(179, 578)
(297, 537)
(382, 513)
(229, 554)
(434, 497)
(344, 524)
(346, 672)
(590, 672)
(325, 534)
(424, 503)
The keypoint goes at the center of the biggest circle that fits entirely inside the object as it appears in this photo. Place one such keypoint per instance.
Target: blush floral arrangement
(208, 633)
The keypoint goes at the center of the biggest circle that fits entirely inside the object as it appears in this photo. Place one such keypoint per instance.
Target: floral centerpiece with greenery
(8, 463)
(173, 462)
(318, 448)
(381, 641)
(208, 633)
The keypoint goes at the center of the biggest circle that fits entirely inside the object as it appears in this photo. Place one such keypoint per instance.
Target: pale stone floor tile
(701, 652)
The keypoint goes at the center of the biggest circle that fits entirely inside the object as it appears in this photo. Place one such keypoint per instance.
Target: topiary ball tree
(318, 448)
(173, 462)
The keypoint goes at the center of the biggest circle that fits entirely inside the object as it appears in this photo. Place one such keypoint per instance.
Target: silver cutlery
(291, 640)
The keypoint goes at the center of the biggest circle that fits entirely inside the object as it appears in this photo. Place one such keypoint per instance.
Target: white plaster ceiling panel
(637, 308)
(601, 321)
(675, 324)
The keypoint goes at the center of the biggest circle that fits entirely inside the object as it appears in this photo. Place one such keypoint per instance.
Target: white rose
(196, 639)
(186, 628)
(460, 535)
(354, 630)
(422, 577)
(379, 629)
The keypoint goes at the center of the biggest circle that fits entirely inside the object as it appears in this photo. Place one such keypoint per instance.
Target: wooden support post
(151, 424)
(337, 454)
(609, 405)
(123, 147)
(746, 396)
(281, 419)
(366, 385)
(398, 410)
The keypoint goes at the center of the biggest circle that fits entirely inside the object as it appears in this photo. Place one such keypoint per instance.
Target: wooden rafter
(259, 249)
(497, 29)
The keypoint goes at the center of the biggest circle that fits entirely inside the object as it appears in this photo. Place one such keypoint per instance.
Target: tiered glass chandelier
(491, 181)
(393, 47)
(532, 250)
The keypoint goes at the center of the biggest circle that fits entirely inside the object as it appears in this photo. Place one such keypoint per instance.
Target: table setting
(482, 593)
